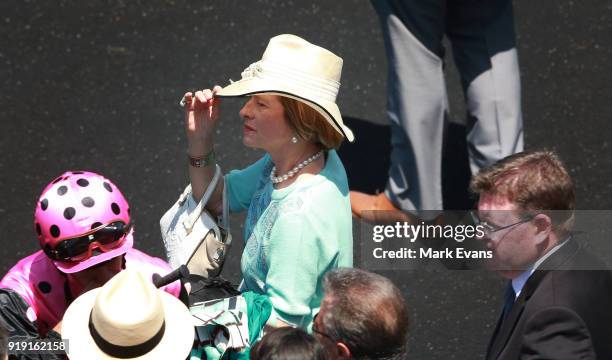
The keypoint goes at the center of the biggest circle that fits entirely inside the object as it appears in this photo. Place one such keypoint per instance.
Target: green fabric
(258, 310)
(243, 355)
(293, 235)
(205, 353)
(197, 354)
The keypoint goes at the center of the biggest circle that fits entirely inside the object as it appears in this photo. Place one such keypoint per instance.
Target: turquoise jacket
(293, 235)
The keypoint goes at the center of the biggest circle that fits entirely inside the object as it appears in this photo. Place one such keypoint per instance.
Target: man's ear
(543, 225)
(343, 351)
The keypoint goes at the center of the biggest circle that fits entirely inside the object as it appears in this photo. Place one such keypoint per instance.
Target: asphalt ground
(94, 85)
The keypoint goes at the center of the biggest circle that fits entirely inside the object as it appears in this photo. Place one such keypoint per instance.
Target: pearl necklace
(295, 170)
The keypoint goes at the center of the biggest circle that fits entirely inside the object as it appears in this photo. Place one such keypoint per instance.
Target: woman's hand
(201, 116)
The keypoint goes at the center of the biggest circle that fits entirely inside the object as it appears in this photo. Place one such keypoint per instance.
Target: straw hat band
(121, 351)
(324, 89)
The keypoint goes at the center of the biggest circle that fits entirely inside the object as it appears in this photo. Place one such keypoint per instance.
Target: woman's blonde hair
(310, 125)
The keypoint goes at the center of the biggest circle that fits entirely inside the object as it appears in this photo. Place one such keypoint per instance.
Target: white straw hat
(128, 318)
(295, 68)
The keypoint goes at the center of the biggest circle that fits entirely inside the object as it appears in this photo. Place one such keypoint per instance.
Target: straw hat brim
(252, 86)
(175, 344)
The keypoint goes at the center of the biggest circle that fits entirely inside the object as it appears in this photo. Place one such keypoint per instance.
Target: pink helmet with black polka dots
(72, 206)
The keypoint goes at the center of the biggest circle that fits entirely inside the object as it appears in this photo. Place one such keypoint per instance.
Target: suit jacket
(559, 314)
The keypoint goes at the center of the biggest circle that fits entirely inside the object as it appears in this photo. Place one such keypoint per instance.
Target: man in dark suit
(559, 297)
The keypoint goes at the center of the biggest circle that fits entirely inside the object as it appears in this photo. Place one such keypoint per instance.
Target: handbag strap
(223, 220)
(202, 204)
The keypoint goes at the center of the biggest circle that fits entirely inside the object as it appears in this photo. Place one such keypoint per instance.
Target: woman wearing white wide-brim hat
(299, 217)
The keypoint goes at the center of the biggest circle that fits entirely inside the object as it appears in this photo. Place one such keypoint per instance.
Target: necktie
(509, 298)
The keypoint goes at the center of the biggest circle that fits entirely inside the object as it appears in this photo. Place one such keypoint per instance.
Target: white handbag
(191, 235)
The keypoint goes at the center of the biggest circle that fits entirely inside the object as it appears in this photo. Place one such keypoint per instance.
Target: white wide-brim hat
(295, 68)
(128, 318)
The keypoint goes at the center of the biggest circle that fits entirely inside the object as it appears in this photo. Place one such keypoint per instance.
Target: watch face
(204, 161)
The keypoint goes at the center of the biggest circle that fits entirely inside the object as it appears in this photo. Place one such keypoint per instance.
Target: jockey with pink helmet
(84, 228)
(74, 206)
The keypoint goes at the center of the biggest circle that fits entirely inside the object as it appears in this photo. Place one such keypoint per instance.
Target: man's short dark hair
(288, 343)
(536, 181)
(367, 313)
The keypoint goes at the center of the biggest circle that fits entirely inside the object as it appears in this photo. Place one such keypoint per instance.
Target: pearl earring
(294, 140)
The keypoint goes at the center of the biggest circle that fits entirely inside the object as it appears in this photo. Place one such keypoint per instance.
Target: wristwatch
(202, 161)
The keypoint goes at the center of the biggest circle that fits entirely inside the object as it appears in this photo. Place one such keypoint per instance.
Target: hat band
(125, 352)
(325, 89)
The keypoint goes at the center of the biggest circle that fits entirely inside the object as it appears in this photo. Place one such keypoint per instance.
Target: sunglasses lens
(113, 243)
(79, 257)
(108, 238)
(72, 247)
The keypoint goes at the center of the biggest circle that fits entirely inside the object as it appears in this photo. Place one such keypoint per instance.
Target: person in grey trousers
(483, 42)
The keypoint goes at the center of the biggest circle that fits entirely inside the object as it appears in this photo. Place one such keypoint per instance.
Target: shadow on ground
(367, 161)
